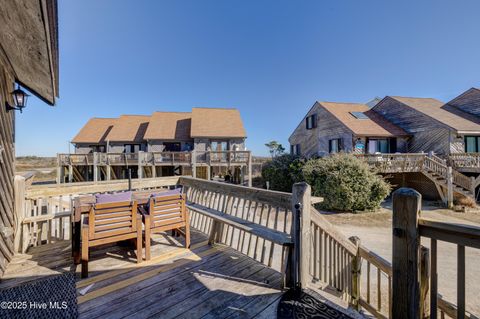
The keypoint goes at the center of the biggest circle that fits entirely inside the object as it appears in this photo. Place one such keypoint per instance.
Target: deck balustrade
(285, 232)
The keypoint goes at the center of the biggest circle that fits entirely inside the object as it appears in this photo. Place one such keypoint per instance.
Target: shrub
(282, 172)
(345, 182)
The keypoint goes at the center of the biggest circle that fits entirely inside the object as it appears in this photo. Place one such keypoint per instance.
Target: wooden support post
(109, 172)
(140, 164)
(208, 172)
(20, 205)
(154, 171)
(472, 186)
(250, 169)
(424, 282)
(194, 163)
(356, 274)
(449, 187)
(70, 173)
(301, 203)
(405, 256)
(95, 167)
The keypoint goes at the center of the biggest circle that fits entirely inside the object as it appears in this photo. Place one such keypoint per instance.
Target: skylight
(359, 115)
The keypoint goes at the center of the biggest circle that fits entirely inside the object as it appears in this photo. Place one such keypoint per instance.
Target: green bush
(282, 172)
(346, 183)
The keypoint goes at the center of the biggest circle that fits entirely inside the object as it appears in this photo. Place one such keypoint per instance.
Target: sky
(270, 59)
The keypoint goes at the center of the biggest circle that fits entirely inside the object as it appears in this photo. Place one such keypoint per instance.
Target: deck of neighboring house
(212, 281)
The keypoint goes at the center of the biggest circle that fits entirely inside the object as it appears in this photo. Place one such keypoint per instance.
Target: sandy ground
(374, 230)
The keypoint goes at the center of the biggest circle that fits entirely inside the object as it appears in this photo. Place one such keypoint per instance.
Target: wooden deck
(204, 281)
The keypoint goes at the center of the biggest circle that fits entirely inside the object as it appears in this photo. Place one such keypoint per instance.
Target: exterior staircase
(449, 182)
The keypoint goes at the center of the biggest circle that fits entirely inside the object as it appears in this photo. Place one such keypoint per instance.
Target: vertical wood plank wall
(7, 169)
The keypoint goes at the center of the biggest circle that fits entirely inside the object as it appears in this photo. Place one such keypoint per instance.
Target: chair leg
(147, 238)
(84, 252)
(139, 244)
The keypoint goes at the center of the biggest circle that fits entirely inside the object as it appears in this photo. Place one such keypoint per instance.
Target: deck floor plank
(176, 283)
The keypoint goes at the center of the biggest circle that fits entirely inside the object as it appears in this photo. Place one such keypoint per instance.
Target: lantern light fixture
(19, 98)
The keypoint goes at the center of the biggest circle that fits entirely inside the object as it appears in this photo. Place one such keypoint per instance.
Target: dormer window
(311, 121)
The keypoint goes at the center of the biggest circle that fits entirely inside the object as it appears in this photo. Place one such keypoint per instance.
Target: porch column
(109, 172)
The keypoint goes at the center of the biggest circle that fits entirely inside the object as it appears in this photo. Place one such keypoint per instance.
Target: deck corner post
(301, 203)
(356, 274)
(193, 160)
(405, 255)
(449, 187)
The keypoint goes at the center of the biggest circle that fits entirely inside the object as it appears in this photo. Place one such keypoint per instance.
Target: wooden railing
(393, 163)
(156, 158)
(45, 211)
(255, 206)
(314, 253)
(332, 255)
(409, 288)
(465, 160)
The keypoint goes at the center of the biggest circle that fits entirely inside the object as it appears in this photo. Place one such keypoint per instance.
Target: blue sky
(270, 59)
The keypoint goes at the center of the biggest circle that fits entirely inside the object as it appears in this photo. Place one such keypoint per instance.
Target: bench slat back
(167, 210)
(112, 219)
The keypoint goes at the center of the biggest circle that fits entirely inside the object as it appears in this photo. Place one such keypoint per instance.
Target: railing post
(405, 256)
(449, 187)
(424, 282)
(301, 202)
(19, 188)
(356, 274)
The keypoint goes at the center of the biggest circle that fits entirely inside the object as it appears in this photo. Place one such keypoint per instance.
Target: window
(378, 146)
(98, 148)
(218, 145)
(359, 115)
(335, 145)
(311, 121)
(472, 144)
(295, 149)
(132, 148)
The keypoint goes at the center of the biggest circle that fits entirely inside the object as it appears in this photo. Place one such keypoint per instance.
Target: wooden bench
(166, 213)
(109, 223)
(272, 235)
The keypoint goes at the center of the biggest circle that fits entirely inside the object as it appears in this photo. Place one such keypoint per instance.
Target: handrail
(460, 234)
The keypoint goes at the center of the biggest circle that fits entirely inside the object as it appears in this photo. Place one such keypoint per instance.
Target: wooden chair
(109, 223)
(166, 213)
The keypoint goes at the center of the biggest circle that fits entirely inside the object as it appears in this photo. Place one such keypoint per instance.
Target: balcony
(212, 158)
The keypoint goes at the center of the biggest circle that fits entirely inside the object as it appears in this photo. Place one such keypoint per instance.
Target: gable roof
(169, 126)
(129, 128)
(95, 131)
(443, 113)
(216, 122)
(374, 125)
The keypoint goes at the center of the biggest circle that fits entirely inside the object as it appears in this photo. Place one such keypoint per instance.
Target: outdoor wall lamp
(20, 100)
